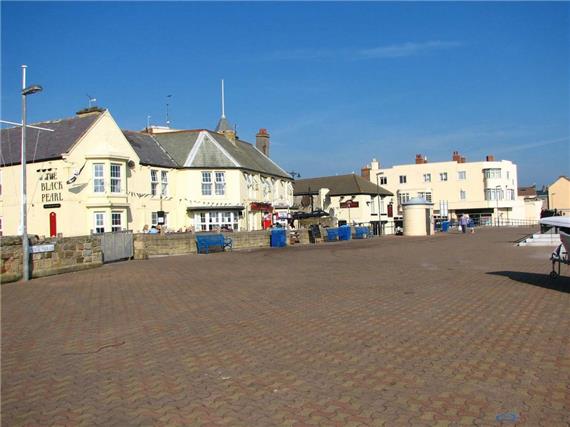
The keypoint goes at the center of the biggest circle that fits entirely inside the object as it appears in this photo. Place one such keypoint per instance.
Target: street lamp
(26, 90)
(497, 188)
(379, 205)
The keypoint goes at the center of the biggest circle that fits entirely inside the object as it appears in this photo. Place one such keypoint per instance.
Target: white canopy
(556, 221)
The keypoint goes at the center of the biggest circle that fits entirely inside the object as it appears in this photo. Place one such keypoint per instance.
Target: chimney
(375, 164)
(365, 173)
(90, 111)
(456, 157)
(490, 158)
(262, 141)
(462, 159)
(419, 159)
(230, 134)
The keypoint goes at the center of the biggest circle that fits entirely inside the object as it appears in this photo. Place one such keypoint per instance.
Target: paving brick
(444, 330)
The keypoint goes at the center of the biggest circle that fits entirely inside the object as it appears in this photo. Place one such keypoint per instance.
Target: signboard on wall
(349, 204)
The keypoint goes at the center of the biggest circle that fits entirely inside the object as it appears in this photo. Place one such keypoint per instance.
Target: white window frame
(214, 220)
(116, 226)
(403, 179)
(114, 169)
(98, 178)
(154, 182)
(462, 175)
(493, 173)
(98, 226)
(154, 219)
(220, 183)
(206, 183)
(427, 177)
(383, 180)
(425, 195)
(403, 198)
(462, 195)
(443, 176)
(164, 183)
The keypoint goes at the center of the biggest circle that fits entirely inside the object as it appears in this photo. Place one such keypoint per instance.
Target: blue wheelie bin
(278, 238)
(344, 232)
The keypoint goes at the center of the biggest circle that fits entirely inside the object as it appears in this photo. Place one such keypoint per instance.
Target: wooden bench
(205, 241)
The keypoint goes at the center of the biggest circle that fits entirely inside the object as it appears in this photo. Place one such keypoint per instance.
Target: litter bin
(445, 226)
(278, 238)
(344, 232)
(332, 234)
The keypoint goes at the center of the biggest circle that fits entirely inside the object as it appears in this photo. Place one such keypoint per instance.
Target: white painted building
(485, 189)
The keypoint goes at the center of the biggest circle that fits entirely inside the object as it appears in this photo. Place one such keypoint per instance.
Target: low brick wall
(70, 254)
(79, 253)
(147, 245)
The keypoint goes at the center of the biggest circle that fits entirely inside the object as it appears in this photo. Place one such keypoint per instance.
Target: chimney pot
(262, 141)
(490, 158)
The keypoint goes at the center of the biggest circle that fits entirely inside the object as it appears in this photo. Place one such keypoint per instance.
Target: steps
(537, 239)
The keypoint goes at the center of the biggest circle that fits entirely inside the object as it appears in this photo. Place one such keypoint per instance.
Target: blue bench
(205, 241)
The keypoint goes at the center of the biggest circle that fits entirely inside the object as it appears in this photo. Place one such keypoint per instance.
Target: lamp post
(26, 90)
(379, 205)
(497, 188)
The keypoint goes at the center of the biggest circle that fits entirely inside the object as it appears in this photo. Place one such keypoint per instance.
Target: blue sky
(336, 84)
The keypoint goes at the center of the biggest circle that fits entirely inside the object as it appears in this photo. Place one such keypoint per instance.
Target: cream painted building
(90, 176)
(559, 195)
(485, 189)
(350, 199)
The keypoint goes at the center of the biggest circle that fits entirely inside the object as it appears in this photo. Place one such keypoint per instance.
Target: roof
(340, 185)
(148, 149)
(527, 191)
(44, 145)
(216, 151)
(223, 125)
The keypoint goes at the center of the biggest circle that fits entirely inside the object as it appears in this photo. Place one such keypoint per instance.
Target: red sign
(349, 204)
(256, 206)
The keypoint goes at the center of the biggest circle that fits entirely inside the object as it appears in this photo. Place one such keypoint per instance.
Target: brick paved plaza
(448, 330)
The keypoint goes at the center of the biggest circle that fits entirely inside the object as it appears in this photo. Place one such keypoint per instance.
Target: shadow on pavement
(561, 284)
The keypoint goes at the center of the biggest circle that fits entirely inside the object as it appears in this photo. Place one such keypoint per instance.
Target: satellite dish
(131, 163)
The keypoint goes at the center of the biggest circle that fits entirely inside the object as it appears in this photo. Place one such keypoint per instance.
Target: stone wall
(70, 254)
(79, 253)
(147, 245)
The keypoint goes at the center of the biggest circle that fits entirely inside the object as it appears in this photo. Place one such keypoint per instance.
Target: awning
(214, 208)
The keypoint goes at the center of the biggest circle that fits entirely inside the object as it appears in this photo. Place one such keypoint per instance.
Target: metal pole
(379, 208)
(24, 220)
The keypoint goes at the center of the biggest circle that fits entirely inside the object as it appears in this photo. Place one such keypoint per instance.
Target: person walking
(463, 221)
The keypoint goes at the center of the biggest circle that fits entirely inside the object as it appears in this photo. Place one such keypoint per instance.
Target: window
(508, 175)
(99, 222)
(220, 183)
(425, 195)
(492, 173)
(403, 179)
(493, 194)
(216, 220)
(443, 176)
(206, 183)
(153, 182)
(510, 194)
(462, 175)
(164, 182)
(115, 178)
(462, 195)
(98, 180)
(116, 222)
(154, 219)
(427, 177)
(266, 186)
(383, 180)
(404, 197)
